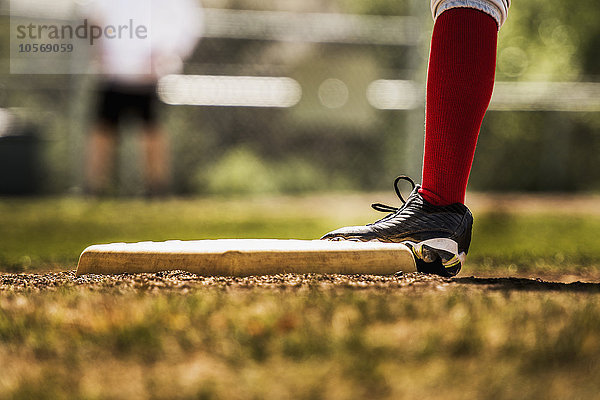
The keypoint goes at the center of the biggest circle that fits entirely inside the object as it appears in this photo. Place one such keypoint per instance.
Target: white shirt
(145, 39)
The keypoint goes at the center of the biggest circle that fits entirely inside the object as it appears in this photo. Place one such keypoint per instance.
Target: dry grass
(176, 335)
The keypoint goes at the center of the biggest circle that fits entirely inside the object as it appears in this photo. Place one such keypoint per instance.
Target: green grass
(42, 234)
(536, 243)
(46, 233)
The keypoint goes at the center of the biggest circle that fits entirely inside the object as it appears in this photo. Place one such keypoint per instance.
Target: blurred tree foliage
(550, 40)
(558, 151)
(309, 147)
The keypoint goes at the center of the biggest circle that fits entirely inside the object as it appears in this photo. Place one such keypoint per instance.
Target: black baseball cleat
(438, 236)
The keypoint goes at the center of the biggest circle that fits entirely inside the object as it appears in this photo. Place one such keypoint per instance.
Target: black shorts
(117, 101)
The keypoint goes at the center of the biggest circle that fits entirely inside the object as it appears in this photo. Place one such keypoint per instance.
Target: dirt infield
(179, 280)
(183, 281)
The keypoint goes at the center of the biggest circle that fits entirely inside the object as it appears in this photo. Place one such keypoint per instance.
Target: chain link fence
(276, 100)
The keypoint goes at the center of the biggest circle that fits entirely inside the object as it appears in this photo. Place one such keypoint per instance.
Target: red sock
(460, 81)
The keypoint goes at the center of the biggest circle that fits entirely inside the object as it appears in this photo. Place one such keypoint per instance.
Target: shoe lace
(389, 209)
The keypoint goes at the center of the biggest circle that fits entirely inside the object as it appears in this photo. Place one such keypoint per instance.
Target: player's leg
(155, 143)
(433, 221)
(102, 142)
(460, 81)
(156, 167)
(100, 159)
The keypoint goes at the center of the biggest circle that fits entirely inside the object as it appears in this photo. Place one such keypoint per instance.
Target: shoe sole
(439, 256)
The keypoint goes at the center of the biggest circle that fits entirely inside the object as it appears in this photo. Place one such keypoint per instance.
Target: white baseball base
(244, 257)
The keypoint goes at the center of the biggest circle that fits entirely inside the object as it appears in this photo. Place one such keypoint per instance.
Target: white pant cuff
(494, 8)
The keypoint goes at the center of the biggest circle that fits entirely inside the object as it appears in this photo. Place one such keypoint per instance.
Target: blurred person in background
(433, 221)
(166, 33)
